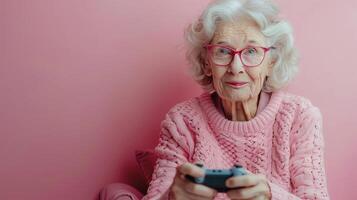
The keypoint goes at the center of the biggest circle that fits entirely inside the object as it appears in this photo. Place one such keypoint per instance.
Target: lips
(236, 84)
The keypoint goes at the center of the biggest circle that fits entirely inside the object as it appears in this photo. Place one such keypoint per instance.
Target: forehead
(238, 33)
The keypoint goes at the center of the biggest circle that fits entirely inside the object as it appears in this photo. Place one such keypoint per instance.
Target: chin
(237, 96)
(230, 94)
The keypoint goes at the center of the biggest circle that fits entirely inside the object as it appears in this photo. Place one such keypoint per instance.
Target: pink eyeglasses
(251, 56)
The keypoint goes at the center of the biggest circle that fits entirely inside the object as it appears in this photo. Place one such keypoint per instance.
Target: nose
(236, 65)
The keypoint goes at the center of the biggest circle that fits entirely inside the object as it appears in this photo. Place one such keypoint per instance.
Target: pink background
(85, 83)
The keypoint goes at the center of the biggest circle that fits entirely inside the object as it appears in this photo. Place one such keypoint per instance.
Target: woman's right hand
(182, 188)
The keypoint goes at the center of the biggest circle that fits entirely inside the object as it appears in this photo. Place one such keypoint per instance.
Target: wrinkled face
(239, 35)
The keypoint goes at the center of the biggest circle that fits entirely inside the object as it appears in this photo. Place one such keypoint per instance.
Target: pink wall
(76, 75)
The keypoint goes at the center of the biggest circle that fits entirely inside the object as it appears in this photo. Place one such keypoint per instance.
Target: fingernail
(229, 183)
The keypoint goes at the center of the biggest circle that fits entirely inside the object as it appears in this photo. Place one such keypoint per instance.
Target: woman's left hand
(253, 186)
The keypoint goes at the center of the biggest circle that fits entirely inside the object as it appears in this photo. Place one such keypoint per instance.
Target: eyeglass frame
(234, 52)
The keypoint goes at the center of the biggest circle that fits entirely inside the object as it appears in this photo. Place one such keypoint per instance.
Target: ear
(207, 69)
(271, 66)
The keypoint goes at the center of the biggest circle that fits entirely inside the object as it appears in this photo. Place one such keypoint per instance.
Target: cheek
(218, 73)
(257, 74)
(218, 79)
(258, 78)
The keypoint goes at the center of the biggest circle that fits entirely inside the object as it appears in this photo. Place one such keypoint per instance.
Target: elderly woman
(242, 54)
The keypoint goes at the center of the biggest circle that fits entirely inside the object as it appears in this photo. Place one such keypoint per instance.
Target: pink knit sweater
(284, 141)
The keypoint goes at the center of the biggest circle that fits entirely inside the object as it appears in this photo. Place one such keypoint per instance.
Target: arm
(174, 148)
(307, 170)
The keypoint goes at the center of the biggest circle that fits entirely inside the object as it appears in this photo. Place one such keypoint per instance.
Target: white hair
(278, 33)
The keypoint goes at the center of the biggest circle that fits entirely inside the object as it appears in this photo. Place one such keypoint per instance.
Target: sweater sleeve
(307, 170)
(174, 148)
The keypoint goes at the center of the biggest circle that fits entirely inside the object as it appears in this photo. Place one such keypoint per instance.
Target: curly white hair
(277, 31)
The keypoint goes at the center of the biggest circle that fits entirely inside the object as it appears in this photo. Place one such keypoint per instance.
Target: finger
(179, 178)
(245, 181)
(258, 198)
(248, 172)
(193, 197)
(179, 192)
(199, 190)
(255, 198)
(192, 190)
(254, 192)
(190, 169)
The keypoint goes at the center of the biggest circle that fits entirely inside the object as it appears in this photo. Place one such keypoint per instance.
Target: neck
(239, 110)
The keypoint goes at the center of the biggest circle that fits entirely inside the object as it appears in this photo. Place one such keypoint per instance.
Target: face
(239, 35)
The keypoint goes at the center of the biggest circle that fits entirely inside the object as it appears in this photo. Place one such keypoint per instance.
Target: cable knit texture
(284, 141)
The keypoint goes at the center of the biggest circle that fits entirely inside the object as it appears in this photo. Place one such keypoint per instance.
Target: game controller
(216, 178)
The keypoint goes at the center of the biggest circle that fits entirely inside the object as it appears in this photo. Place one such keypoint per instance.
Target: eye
(251, 51)
(223, 51)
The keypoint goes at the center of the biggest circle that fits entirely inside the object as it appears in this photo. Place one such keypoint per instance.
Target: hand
(182, 188)
(254, 187)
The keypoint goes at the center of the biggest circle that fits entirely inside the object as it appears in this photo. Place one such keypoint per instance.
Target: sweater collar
(267, 109)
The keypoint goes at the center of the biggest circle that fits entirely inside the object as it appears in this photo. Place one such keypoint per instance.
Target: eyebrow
(253, 41)
(250, 42)
(222, 42)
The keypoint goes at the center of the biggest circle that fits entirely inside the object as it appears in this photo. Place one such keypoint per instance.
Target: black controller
(216, 178)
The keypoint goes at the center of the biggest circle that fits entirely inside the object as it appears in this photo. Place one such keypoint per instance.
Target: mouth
(237, 84)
